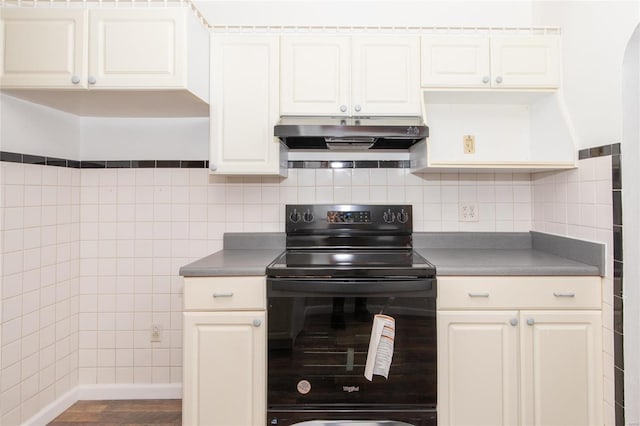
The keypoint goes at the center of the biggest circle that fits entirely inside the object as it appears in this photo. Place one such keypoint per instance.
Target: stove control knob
(402, 216)
(294, 216)
(308, 216)
(389, 216)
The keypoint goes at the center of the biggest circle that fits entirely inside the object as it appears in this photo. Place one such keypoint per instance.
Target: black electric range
(342, 265)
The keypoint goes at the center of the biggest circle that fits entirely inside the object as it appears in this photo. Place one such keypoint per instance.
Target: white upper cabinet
(525, 61)
(244, 108)
(43, 48)
(136, 48)
(350, 75)
(385, 78)
(152, 62)
(491, 102)
(455, 61)
(500, 61)
(315, 75)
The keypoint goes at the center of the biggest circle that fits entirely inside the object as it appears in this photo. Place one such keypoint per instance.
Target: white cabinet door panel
(224, 368)
(461, 61)
(142, 48)
(477, 368)
(314, 75)
(244, 105)
(43, 48)
(385, 76)
(525, 61)
(562, 368)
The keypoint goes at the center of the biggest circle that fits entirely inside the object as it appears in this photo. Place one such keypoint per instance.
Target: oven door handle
(286, 287)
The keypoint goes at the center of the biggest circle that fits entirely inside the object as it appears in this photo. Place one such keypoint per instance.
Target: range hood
(350, 133)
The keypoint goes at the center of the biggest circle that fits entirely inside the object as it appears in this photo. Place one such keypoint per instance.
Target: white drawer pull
(228, 294)
(564, 294)
(478, 294)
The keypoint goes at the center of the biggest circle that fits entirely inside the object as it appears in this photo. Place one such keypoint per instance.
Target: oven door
(318, 340)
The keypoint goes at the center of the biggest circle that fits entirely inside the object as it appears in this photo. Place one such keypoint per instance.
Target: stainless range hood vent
(350, 133)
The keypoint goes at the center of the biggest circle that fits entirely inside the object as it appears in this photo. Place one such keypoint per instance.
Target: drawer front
(519, 293)
(224, 293)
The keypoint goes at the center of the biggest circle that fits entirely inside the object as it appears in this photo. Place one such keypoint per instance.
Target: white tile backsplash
(90, 257)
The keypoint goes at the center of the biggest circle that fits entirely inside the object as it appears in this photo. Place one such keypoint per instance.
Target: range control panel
(348, 217)
(302, 218)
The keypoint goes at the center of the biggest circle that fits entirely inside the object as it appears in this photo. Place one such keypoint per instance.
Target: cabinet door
(385, 76)
(525, 61)
(455, 61)
(244, 105)
(477, 368)
(137, 48)
(314, 75)
(224, 369)
(561, 368)
(43, 48)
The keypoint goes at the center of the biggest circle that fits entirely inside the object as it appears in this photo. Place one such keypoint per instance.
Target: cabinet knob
(530, 321)
(358, 108)
(92, 79)
(75, 79)
(343, 108)
(257, 322)
(485, 79)
(498, 79)
(513, 321)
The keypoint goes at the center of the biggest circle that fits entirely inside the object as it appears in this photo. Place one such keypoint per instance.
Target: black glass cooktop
(350, 263)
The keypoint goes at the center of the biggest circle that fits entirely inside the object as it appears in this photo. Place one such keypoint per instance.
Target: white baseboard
(99, 392)
(54, 409)
(130, 391)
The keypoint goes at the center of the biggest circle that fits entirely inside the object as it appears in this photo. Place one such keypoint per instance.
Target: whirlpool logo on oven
(351, 389)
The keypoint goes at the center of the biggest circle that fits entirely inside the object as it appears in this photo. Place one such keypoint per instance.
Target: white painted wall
(631, 225)
(594, 37)
(34, 129)
(144, 138)
(367, 12)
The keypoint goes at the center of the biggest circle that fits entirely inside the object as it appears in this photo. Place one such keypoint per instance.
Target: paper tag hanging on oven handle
(380, 352)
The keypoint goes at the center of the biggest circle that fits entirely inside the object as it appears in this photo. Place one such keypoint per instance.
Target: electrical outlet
(156, 333)
(469, 213)
(469, 144)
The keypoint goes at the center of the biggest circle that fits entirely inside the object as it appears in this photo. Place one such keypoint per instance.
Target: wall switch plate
(156, 333)
(469, 212)
(469, 144)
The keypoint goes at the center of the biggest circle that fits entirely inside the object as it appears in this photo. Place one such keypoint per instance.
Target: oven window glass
(317, 350)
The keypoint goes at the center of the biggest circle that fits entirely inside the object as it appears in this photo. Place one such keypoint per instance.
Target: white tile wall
(90, 257)
(139, 226)
(39, 228)
(578, 203)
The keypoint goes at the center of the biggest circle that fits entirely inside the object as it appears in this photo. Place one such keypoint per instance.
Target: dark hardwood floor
(122, 412)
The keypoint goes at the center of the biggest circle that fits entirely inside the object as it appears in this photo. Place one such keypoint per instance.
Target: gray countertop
(231, 262)
(452, 254)
(503, 262)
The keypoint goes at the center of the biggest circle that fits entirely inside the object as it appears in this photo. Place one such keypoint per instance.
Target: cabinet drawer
(519, 292)
(224, 293)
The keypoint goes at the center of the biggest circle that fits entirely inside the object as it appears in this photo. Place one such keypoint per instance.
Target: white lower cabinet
(561, 355)
(539, 363)
(224, 380)
(477, 368)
